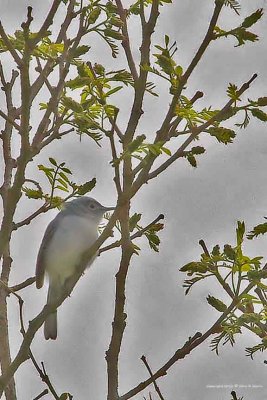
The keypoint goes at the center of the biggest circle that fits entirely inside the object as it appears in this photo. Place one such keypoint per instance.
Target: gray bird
(68, 236)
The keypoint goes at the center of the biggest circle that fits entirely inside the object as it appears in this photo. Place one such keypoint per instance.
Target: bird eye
(92, 206)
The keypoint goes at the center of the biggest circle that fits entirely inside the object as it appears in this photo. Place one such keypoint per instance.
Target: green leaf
(166, 151)
(197, 150)
(228, 114)
(67, 170)
(113, 34)
(192, 160)
(234, 4)
(216, 303)
(242, 36)
(53, 161)
(71, 104)
(223, 135)
(80, 50)
(259, 114)
(112, 91)
(229, 252)
(115, 21)
(232, 92)
(62, 182)
(93, 16)
(133, 146)
(153, 240)
(252, 19)
(32, 193)
(64, 176)
(245, 267)
(65, 396)
(43, 106)
(86, 187)
(133, 221)
(260, 229)
(262, 101)
(240, 231)
(62, 188)
(194, 267)
(178, 70)
(216, 250)
(78, 82)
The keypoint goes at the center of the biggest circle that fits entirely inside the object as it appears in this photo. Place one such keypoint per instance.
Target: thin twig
(143, 358)
(126, 41)
(136, 235)
(47, 22)
(9, 46)
(117, 178)
(42, 394)
(43, 209)
(22, 285)
(204, 247)
(10, 120)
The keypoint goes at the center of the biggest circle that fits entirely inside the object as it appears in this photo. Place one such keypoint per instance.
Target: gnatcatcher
(68, 236)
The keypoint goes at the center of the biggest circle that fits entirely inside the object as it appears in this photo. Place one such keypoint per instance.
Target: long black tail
(50, 325)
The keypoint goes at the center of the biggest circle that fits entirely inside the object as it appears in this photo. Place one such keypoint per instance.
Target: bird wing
(41, 264)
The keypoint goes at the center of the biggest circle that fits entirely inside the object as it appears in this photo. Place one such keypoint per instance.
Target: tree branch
(143, 358)
(47, 22)
(42, 394)
(162, 134)
(196, 131)
(22, 285)
(126, 42)
(10, 120)
(9, 46)
(136, 235)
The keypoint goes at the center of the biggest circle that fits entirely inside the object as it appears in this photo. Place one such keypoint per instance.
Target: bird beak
(105, 209)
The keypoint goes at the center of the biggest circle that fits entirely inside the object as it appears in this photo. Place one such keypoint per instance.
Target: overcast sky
(228, 185)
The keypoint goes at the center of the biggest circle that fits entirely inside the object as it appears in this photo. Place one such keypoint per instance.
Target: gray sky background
(228, 185)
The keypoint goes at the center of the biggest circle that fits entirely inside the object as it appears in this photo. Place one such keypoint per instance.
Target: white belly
(72, 238)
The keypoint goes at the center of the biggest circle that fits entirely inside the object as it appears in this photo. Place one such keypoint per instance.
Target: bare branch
(143, 358)
(10, 120)
(9, 46)
(117, 178)
(42, 394)
(206, 41)
(43, 209)
(22, 285)
(47, 22)
(140, 84)
(126, 42)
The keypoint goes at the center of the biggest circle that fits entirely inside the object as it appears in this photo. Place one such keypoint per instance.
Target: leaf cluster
(151, 233)
(232, 269)
(58, 176)
(241, 33)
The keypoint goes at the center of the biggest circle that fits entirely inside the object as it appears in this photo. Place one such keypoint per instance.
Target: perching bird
(68, 236)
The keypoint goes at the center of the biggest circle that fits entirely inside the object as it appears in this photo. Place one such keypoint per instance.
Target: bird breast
(74, 235)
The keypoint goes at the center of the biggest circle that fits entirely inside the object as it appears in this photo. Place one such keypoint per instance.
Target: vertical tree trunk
(5, 358)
